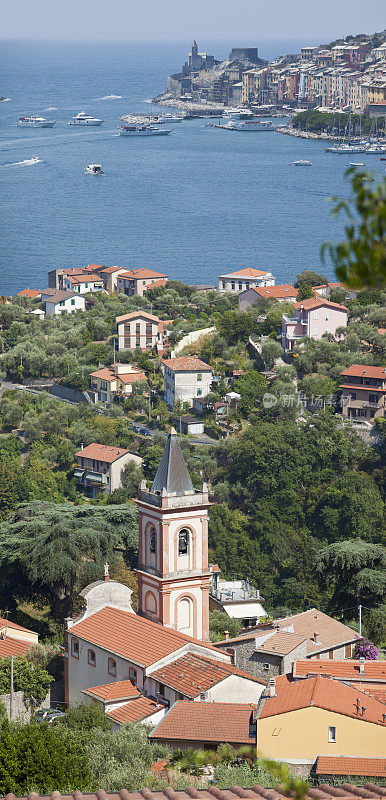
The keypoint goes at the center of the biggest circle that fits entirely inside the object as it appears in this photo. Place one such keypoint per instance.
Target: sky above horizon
(245, 22)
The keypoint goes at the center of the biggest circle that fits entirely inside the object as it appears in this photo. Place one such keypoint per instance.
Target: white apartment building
(243, 279)
(186, 378)
(138, 329)
(57, 301)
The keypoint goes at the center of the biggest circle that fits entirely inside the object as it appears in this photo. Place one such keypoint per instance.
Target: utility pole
(149, 402)
(360, 620)
(11, 692)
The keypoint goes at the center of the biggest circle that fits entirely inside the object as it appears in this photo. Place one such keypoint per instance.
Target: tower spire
(172, 475)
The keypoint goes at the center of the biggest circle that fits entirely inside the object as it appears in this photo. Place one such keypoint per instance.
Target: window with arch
(185, 615)
(112, 667)
(152, 540)
(91, 658)
(183, 542)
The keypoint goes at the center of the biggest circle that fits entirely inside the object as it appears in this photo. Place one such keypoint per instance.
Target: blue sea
(193, 204)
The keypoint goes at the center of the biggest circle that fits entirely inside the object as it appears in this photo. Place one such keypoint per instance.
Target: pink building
(313, 317)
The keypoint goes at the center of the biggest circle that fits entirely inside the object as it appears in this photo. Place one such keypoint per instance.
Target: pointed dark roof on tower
(172, 473)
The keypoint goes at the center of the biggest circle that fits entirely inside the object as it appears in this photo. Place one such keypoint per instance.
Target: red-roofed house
(83, 283)
(328, 767)
(206, 725)
(31, 294)
(244, 279)
(185, 378)
(137, 281)
(368, 676)
(99, 467)
(282, 293)
(114, 381)
(14, 639)
(313, 317)
(138, 329)
(299, 720)
(364, 392)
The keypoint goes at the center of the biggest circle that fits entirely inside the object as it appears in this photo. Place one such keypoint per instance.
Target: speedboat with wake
(302, 163)
(143, 130)
(94, 169)
(85, 120)
(34, 121)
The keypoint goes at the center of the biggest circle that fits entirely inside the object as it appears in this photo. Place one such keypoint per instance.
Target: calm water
(192, 204)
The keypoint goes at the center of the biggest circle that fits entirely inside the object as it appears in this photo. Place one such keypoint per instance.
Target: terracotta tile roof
(205, 722)
(362, 387)
(57, 295)
(364, 371)
(340, 765)
(135, 315)
(318, 302)
(249, 272)
(101, 452)
(14, 647)
(132, 377)
(89, 278)
(187, 364)
(141, 274)
(284, 290)
(108, 375)
(192, 674)
(7, 623)
(156, 284)
(31, 293)
(376, 690)
(109, 270)
(292, 695)
(135, 710)
(119, 690)
(105, 374)
(373, 670)
(126, 634)
(347, 791)
(281, 643)
(330, 631)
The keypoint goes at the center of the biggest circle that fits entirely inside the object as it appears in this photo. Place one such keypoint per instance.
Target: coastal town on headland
(347, 74)
(192, 485)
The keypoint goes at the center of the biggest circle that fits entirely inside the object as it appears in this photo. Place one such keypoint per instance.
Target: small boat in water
(168, 118)
(34, 121)
(143, 130)
(302, 163)
(375, 149)
(356, 164)
(85, 120)
(246, 125)
(94, 169)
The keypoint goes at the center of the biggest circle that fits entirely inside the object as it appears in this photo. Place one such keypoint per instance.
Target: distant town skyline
(249, 21)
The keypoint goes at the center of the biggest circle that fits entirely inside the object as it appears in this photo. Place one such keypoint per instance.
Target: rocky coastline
(191, 107)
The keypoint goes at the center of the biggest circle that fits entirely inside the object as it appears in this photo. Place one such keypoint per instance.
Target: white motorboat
(375, 149)
(85, 120)
(143, 130)
(252, 125)
(34, 121)
(168, 118)
(346, 148)
(94, 169)
(356, 164)
(237, 113)
(302, 163)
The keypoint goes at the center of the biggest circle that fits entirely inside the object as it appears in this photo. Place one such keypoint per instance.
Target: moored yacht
(84, 120)
(168, 118)
(237, 113)
(34, 121)
(143, 130)
(94, 169)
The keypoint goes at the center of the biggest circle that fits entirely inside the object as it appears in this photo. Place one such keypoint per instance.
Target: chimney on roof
(363, 710)
(362, 666)
(226, 634)
(358, 705)
(271, 687)
(316, 637)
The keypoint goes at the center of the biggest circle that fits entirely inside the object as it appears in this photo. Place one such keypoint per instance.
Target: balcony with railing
(235, 592)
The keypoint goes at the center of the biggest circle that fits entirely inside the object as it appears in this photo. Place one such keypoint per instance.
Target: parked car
(48, 715)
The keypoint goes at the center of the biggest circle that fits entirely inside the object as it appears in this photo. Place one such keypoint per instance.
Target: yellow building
(300, 720)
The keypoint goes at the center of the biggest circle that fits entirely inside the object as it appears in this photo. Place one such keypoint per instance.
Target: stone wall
(20, 710)
(254, 662)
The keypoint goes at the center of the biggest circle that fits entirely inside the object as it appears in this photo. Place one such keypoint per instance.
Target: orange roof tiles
(318, 302)
(281, 643)
(205, 722)
(292, 695)
(187, 364)
(7, 623)
(192, 674)
(135, 314)
(101, 452)
(132, 377)
(364, 371)
(106, 374)
(84, 278)
(31, 293)
(373, 670)
(135, 710)
(284, 290)
(249, 272)
(14, 647)
(141, 273)
(138, 639)
(341, 765)
(119, 690)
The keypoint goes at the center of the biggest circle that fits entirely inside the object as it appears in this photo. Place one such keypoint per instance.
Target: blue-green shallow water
(193, 204)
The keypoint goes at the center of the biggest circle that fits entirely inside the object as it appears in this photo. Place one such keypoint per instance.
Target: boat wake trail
(109, 97)
(28, 162)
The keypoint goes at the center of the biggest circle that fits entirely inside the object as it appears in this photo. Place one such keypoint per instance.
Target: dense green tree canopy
(354, 572)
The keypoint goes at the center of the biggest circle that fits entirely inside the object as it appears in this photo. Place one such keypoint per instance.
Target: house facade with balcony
(313, 317)
(363, 393)
(243, 279)
(138, 281)
(83, 283)
(237, 598)
(99, 467)
(114, 381)
(138, 329)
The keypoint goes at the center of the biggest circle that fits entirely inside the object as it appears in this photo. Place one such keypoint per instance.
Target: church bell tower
(173, 571)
